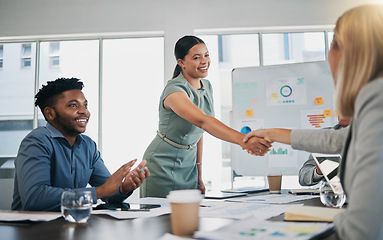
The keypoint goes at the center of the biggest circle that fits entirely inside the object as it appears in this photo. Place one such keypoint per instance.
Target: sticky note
(336, 114)
(254, 101)
(301, 80)
(327, 112)
(319, 101)
(274, 96)
(249, 113)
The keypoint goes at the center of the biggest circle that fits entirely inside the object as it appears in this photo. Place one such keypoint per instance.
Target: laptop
(329, 164)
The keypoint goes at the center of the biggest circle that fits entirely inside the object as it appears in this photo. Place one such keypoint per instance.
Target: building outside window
(54, 54)
(1, 56)
(16, 98)
(26, 55)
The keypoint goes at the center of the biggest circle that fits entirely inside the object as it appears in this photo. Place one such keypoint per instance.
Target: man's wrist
(122, 192)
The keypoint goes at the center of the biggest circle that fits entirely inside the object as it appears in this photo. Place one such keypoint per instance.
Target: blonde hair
(360, 32)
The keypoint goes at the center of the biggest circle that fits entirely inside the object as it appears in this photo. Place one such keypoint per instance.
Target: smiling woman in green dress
(185, 112)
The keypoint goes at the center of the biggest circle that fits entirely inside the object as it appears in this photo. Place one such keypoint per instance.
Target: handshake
(258, 142)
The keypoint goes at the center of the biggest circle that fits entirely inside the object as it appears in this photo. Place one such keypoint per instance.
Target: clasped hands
(125, 179)
(257, 143)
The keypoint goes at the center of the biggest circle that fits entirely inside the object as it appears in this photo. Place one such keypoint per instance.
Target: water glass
(331, 194)
(76, 205)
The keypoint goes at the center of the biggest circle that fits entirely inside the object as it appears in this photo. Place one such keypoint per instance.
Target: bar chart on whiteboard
(290, 96)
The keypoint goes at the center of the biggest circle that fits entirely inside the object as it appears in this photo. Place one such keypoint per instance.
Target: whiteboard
(284, 96)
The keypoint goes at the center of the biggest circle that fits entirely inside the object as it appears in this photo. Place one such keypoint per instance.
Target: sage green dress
(173, 168)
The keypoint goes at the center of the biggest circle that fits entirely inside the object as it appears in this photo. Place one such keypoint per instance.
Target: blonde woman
(356, 63)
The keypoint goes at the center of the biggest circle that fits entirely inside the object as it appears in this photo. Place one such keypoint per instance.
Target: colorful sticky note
(319, 101)
(254, 101)
(327, 112)
(249, 113)
(335, 113)
(301, 80)
(274, 96)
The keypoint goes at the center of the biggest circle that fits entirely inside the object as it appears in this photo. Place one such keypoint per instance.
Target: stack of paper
(311, 214)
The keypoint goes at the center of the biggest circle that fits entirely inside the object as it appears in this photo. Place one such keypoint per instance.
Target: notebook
(311, 214)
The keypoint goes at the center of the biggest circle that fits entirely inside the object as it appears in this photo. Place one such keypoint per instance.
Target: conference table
(104, 227)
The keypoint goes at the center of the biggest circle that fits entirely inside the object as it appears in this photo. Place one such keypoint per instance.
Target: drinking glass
(76, 205)
(332, 194)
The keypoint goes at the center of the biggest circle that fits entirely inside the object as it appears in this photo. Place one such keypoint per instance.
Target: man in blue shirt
(58, 156)
(310, 174)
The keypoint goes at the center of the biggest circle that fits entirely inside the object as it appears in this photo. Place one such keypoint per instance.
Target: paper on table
(151, 200)
(169, 236)
(13, 216)
(237, 210)
(273, 198)
(252, 228)
(311, 213)
(134, 214)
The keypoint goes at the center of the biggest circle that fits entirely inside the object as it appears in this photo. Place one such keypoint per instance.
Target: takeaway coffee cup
(275, 181)
(184, 215)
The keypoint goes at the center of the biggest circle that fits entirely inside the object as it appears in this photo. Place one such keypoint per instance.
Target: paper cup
(184, 216)
(275, 181)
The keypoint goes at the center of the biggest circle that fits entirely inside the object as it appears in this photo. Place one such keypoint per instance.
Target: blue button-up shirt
(47, 164)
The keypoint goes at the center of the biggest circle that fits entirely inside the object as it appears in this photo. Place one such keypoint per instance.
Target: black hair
(48, 93)
(182, 48)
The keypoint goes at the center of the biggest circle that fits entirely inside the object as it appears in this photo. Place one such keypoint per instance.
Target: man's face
(71, 113)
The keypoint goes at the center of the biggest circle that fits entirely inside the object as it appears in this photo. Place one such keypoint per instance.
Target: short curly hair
(46, 97)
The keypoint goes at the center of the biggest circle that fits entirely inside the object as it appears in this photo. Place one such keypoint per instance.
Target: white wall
(175, 17)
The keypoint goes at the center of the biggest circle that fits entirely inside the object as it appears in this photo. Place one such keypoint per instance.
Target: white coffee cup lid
(274, 174)
(185, 196)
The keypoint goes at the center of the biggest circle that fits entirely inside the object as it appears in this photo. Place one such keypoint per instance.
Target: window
(16, 98)
(1, 56)
(131, 92)
(26, 55)
(239, 50)
(79, 59)
(124, 80)
(54, 57)
(282, 48)
(330, 36)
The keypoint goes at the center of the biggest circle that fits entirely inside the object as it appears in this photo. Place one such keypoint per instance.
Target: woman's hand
(201, 186)
(256, 145)
(270, 135)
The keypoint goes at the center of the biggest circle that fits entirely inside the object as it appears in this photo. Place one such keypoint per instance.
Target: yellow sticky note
(336, 114)
(249, 113)
(274, 96)
(327, 112)
(319, 101)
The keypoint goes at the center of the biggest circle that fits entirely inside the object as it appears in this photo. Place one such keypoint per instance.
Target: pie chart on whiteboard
(245, 130)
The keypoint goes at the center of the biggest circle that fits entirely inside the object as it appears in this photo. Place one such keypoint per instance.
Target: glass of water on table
(332, 194)
(76, 205)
